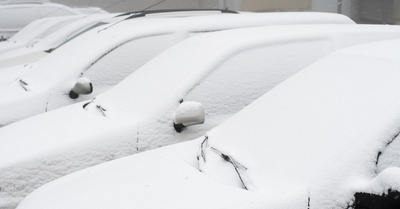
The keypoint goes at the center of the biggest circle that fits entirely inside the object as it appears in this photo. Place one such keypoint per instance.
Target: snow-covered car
(35, 30)
(56, 32)
(160, 103)
(321, 139)
(16, 14)
(107, 54)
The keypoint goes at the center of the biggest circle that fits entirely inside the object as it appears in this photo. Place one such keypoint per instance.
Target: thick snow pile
(137, 114)
(311, 142)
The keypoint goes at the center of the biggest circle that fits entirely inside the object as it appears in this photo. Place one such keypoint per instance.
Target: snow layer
(59, 33)
(36, 30)
(311, 142)
(160, 179)
(322, 129)
(11, 24)
(137, 114)
(53, 76)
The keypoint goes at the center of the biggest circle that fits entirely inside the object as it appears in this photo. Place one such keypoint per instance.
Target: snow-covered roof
(34, 32)
(221, 45)
(311, 142)
(46, 36)
(68, 62)
(100, 41)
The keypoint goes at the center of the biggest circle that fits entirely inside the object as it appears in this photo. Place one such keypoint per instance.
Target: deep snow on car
(318, 140)
(161, 102)
(109, 53)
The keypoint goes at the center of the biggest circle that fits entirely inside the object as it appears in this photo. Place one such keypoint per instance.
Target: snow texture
(108, 54)
(137, 114)
(53, 34)
(17, 16)
(310, 142)
(321, 130)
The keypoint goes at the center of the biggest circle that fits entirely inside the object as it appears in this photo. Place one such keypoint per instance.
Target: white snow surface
(59, 32)
(34, 31)
(136, 115)
(50, 79)
(35, 11)
(312, 140)
(322, 129)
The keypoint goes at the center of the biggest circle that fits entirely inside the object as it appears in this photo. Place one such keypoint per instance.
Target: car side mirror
(188, 114)
(82, 86)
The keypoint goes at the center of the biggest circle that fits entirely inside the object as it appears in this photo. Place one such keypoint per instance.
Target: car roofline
(136, 14)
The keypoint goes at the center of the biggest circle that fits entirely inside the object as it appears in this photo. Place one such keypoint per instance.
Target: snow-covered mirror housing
(82, 86)
(188, 114)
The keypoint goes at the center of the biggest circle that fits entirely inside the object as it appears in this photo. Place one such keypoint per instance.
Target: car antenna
(151, 6)
(130, 16)
(106, 7)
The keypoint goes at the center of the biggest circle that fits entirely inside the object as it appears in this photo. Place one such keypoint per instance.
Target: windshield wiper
(99, 107)
(201, 158)
(237, 166)
(387, 144)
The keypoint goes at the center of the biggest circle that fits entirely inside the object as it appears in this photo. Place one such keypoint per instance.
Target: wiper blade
(201, 156)
(24, 84)
(237, 166)
(101, 109)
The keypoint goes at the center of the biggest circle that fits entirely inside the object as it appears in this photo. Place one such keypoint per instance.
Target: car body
(35, 30)
(223, 72)
(15, 15)
(56, 32)
(311, 142)
(109, 53)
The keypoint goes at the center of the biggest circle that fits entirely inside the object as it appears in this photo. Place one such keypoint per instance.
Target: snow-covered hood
(42, 145)
(10, 74)
(162, 178)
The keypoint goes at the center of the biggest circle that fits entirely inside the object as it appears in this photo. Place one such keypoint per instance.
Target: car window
(21, 16)
(249, 74)
(125, 59)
